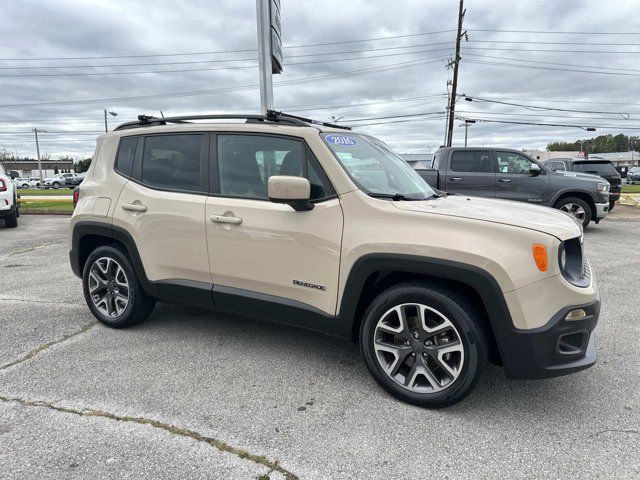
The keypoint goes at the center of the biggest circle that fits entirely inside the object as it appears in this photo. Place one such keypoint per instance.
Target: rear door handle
(225, 219)
(504, 180)
(134, 207)
(455, 179)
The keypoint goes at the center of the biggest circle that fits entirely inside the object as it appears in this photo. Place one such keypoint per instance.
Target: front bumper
(602, 210)
(559, 348)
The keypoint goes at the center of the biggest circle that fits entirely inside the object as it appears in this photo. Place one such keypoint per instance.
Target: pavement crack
(615, 430)
(37, 246)
(86, 327)
(273, 465)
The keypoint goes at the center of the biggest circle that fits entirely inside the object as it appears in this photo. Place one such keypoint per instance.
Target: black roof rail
(275, 115)
(271, 116)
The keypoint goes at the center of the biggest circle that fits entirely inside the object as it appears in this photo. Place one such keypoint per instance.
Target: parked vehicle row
(313, 225)
(633, 175)
(512, 175)
(9, 206)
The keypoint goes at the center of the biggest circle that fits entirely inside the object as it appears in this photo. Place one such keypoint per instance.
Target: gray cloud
(44, 29)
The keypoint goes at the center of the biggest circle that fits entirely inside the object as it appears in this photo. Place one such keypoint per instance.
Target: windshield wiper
(395, 196)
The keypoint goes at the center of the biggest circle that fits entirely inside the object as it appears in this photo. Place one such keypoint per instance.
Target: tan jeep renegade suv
(316, 226)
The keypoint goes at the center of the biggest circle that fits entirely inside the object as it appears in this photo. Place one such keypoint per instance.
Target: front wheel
(612, 204)
(577, 208)
(424, 344)
(112, 290)
(56, 185)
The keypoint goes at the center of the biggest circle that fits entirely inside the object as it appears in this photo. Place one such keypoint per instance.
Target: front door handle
(504, 180)
(134, 207)
(225, 219)
(455, 179)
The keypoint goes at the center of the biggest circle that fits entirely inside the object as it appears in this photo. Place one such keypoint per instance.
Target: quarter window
(126, 154)
(245, 163)
(174, 162)
(471, 161)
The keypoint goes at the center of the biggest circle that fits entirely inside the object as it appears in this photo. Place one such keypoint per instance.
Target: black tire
(612, 204)
(139, 306)
(17, 209)
(11, 220)
(565, 202)
(471, 330)
(55, 185)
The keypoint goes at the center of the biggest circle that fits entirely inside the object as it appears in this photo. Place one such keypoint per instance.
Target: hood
(517, 214)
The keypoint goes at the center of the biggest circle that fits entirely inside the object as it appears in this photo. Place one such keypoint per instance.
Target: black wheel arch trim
(347, 323)
(567, 192)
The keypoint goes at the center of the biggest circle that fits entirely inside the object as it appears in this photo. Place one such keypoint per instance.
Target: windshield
(597, 168)
(376, 169)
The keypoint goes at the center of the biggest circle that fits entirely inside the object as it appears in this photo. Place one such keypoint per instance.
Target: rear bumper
(559, 348)
(602, 210)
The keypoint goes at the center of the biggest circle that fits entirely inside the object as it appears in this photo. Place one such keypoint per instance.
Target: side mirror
(535, 170)
(13, 175)
(294, 191)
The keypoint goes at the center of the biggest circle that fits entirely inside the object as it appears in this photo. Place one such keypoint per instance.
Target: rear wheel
(112, 290)
(11, 220)
(56, 185)
(576, 207)
(424, 344)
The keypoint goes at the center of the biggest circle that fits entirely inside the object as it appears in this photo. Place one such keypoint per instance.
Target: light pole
(466, 128)
(36, 131)
(113, 114)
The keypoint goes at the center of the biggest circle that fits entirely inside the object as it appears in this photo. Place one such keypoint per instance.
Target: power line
(237, 88)
(551, 50)
(621, 74)
(394, 116)
(514, 122)
(540, 115)
(536, 107)
(100, 74)
(551, 32)
(151, 55)
(552, 63)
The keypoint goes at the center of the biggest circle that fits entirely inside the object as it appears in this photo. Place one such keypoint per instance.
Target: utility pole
(456, 64)
(35, 130)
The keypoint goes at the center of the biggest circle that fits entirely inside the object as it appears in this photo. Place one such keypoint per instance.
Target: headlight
(603, 187)
(563, 258)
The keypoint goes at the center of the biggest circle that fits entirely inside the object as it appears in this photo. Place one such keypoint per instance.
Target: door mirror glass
(294, 191)
(535, 169)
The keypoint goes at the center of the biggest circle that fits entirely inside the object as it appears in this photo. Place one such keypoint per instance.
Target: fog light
(577, 314)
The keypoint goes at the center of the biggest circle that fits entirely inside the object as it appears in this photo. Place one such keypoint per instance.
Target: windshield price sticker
(341, 140)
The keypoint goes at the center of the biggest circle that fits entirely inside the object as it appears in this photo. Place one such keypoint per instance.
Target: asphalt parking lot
(196, 394)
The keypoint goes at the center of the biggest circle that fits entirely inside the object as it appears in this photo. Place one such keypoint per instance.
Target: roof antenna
(161, 114)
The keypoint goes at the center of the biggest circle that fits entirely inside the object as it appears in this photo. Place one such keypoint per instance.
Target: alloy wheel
(419, 348)
(108, 287)
(575, 210)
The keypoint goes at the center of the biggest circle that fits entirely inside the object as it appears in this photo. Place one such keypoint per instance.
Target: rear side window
(475, 161)
(126, 153)
(174, 162)
(597, 168)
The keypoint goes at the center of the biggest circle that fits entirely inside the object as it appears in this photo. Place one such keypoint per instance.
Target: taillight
(3, 185)
(76, 196)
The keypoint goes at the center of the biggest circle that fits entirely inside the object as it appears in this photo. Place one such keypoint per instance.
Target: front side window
(245, 163)
(174, 162)
(471, 161)
(375, 168)
(510, 162)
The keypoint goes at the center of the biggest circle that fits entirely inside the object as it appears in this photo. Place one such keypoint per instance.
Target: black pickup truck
(596, 166)
(512, 175)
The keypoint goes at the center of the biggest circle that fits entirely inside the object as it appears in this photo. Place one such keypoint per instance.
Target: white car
(27, 182)
(9, 208)
(59, 180)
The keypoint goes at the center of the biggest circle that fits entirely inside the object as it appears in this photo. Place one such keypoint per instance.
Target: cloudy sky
(64, 62)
